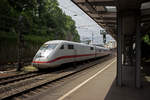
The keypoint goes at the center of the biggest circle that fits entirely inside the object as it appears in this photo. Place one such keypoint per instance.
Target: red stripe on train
(62, 57)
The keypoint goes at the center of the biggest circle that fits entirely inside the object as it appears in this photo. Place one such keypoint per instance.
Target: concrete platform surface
(103, 87)
(97, 87)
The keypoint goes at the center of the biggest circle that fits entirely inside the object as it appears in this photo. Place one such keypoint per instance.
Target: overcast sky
(85, 25)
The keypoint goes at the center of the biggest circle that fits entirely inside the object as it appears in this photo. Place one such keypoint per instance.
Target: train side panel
(84, 52)
(65, 54)
(101, 52)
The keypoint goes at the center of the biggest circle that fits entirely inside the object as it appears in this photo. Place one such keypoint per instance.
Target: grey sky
(85, 25)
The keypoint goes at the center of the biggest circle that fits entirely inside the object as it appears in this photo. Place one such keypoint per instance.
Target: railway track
(11, 79)
(25, 85)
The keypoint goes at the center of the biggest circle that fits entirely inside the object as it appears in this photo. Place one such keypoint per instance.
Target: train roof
(64, 41)
(53, 41)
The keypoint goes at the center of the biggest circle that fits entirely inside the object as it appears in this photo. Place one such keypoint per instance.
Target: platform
(103, 87)
(97, 87)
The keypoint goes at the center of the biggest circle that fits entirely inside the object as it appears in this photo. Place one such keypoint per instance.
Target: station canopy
(104, 13)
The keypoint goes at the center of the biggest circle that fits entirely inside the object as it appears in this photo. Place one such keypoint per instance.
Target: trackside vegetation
(38, 21)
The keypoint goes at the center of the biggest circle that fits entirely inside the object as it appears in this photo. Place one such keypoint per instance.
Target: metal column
(138, 54)
(119, 50)
(128, 49)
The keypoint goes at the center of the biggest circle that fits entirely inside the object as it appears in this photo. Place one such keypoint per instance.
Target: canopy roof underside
(103, 12)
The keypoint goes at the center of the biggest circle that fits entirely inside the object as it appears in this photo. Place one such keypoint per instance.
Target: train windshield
(48, 46)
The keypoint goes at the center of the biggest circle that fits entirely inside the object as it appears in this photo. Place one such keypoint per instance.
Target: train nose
(35, 62)
(43, 54)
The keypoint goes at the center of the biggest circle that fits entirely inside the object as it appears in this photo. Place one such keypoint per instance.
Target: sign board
(103, 32)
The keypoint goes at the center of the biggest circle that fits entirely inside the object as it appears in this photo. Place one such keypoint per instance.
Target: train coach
(57, 52)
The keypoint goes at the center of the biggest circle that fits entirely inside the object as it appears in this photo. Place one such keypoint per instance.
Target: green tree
(40, 18)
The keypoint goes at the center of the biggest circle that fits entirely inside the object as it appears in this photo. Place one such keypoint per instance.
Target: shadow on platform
(124, 93)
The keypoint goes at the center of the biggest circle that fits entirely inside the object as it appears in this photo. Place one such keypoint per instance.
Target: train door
(75, 53)
(95, 51)
(61, 52)
(71, 52)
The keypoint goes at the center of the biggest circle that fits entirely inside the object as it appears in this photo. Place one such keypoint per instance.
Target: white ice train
(57, 52)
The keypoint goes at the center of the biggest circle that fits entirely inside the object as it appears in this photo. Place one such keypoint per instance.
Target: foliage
(145, 46)
(146, 39)
(36, 18)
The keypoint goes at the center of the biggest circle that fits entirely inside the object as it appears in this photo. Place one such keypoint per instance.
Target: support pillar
(138, 53)
(119, 51)
(128, 58)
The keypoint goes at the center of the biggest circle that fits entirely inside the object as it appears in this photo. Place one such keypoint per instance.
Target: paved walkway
(102, 86)
(95, 87)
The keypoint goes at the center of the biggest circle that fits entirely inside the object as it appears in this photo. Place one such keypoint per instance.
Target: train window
(62, 47)
(92, 48)
(70, 47)
(99, 50)
(48, 46)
